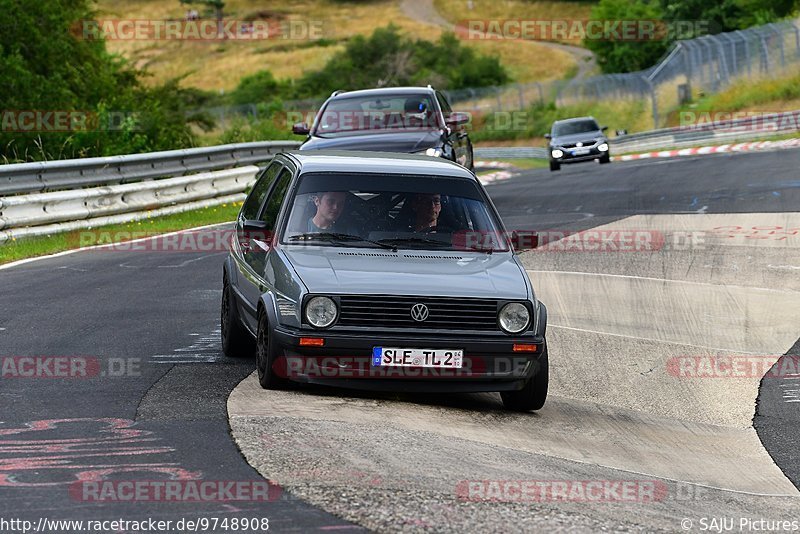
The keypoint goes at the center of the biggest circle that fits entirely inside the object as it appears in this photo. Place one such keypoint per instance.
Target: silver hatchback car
(381, 271)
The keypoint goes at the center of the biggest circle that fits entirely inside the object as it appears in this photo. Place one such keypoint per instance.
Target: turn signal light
(521, 347)
(312, 341)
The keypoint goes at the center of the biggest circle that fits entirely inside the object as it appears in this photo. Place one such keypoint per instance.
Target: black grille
(586, 144)
(444, 313)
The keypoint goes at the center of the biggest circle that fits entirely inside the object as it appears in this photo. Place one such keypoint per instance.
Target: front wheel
(266, 356)
(606, 158)
(534, 394)
(555, 166)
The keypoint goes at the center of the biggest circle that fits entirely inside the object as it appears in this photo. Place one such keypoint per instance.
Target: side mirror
(548, 136)
(524, 240)
(457, 118)
(301, 128)
(256, 235)
(604, 128)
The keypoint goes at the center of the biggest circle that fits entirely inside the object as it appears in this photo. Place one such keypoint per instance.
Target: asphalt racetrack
(631, 334)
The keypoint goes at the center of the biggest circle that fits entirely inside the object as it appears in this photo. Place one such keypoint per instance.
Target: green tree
(49, 65)
(626, 55)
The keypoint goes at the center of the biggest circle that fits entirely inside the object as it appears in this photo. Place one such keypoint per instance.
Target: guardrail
(87, 172)
(743, 129)
(44, 198)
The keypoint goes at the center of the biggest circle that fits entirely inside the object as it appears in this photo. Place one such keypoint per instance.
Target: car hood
(404, 141)
(339, 270)
(574, 138)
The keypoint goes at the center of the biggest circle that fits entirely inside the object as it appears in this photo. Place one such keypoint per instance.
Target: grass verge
(31, 247)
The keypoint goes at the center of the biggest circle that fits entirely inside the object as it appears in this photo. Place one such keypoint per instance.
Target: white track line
(96, 247)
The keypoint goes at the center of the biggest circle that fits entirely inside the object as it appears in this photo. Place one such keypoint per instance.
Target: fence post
(764, 50)
(775, 28)
(722, 66)
(654, 100)
(746, 51)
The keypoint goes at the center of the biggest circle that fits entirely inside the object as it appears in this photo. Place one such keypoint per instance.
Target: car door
(256, 276)
(457, 136)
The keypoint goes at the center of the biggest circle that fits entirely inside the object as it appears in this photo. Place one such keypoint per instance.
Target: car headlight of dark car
(436, 152)
(321, 312)
(514, 317)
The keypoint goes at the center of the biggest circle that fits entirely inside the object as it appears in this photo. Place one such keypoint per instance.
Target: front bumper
(568, 157)
(489, 362)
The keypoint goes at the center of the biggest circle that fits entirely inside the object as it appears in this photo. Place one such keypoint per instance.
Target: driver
(425, 209)
(330, 206)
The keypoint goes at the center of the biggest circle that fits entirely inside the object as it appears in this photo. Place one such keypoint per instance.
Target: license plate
(398, 357)
(580, 151)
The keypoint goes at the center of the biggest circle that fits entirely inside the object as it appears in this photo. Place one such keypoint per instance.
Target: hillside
(220, 66)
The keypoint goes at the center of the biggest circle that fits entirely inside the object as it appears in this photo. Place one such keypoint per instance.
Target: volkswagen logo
(419, 312)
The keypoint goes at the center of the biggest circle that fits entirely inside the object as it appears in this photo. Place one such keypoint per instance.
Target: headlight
(321, 312)
(602, 147)
(514, 317)
(557, 153)
(435, 152)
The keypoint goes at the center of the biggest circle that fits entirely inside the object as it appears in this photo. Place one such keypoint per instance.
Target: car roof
(376, 162)
(384, 91)
(575, 119)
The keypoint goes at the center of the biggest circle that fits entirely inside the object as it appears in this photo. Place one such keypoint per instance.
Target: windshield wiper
(337, 237)
(413, 241)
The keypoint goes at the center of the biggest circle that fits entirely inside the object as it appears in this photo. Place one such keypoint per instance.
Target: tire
(236, 340)
(606, 158)
(534, 394)
(555, 166)
(266, 356)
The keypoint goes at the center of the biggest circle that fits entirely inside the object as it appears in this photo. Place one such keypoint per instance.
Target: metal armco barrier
(79, 204)
(88, 172)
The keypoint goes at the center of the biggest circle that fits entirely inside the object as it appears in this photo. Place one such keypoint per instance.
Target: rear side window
(273, 207)
(256, 197)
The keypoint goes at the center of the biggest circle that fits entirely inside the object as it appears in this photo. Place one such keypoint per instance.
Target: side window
(273, 206)
(256, 197)
(443, 103)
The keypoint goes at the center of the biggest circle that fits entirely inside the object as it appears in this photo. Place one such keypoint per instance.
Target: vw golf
(381, 271)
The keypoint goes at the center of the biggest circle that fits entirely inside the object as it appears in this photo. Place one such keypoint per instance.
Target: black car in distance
(578, 139)
(413, 120)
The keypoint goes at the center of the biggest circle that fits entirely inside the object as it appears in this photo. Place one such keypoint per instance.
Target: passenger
(426, 209)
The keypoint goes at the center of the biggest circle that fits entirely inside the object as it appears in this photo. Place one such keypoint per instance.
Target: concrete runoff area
(626, 330)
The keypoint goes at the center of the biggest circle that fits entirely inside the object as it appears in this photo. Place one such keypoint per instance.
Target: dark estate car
(381, 271)
(574, 140)
(414, 120)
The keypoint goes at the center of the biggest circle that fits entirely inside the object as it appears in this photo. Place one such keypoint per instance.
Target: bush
(388, 58)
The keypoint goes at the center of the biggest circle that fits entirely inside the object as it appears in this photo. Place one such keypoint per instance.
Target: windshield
(377, 113)
(575, 127)
(382, 211)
